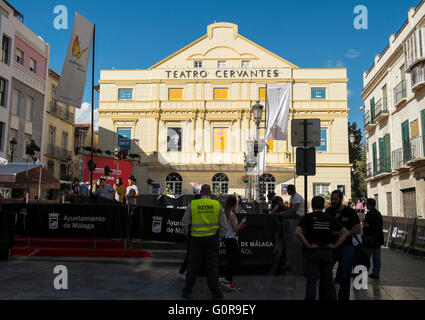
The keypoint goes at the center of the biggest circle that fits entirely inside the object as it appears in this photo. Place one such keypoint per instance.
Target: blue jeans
(344, 255)
(376, 252)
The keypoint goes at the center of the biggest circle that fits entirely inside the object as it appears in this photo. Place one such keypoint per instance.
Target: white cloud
(334, 63)
(83, 115)
(352, 54)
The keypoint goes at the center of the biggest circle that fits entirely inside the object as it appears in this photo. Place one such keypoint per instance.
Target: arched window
(267, 185)
(174, 182)
(220, 184)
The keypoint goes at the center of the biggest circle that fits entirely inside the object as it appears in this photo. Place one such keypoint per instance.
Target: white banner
(278, 102)
(74, 73)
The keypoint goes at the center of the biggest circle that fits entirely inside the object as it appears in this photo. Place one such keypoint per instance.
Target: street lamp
(257, 110)
(13, 144)
(117, 154)
(352, 138)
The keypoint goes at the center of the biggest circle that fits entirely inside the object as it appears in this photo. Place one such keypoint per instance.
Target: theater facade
(189, 117)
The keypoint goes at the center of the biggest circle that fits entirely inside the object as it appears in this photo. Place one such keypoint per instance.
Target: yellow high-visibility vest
(205, 217)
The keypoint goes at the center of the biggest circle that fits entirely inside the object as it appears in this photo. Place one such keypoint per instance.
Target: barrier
(256, 241)
(70, 220)
(419, 239)
(387, 227)
(7, 227)
(401, 233)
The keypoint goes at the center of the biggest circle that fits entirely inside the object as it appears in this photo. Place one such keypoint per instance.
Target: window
(318, 93)
(220, 183)
(30, 108)
(246, 64)
(33, 65)
(197, 64)
(222, 64)
(174, 183)
(175, 94)
(51, 167)
(52, 133)
(174, 139)
(16, 96)
(125, 94)
(321, 189)
(2, 135)
(124, 138)
(323, 140)
(267, 185)
(4, 54)
(19, 57)
(64, 141)
(221, 93)
(220, 139)
(2, 92)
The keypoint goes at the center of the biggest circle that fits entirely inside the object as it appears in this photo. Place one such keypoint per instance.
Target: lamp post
(257, 110)
(117, 153)
(13, 144)
(30, 150)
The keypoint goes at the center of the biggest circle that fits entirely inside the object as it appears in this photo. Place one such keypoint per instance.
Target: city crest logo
(157, 224)
(76, 50)
(54, 221)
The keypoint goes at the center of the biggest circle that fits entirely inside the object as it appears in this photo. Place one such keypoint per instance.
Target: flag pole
(92, 111)
(267, 145)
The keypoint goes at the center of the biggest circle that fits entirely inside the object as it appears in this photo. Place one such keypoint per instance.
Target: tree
(357, 153)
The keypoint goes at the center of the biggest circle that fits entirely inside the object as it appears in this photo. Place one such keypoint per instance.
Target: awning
(13, 175)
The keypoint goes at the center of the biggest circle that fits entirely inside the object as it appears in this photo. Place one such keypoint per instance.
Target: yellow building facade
(189, 116)
(58, 133)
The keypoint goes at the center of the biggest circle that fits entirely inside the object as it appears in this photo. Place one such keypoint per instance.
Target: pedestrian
(119, 190)
(359, 206)
(296, 210)
(181, 275)
(344, 254)
(315, 231)
(373, 236)
(131, 194)
(207, 219)
(79, 188)
(233, 253)
(105, 190)
(277, 206)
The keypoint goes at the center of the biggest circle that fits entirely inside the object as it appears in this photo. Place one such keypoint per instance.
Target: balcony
(383, 166)
(369, 171)
(418, 77)
(400, 94)
(56, 152)
(61, 112)
(397, 158)
(381, 110)
(416, 155)
(369, 121)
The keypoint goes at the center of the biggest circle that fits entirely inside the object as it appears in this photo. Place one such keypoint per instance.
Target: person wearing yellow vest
(208, 225)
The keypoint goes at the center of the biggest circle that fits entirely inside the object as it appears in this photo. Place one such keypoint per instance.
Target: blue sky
(134, 34)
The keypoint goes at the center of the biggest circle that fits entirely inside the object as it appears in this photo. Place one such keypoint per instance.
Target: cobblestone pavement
(402, 278)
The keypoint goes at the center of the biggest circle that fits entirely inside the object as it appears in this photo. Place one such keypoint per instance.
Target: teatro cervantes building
(190, 116)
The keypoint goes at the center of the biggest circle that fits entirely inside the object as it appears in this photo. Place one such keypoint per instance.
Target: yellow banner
(270, 142)
(262, 93)
(220, 139)
(175, 94)
(221, 93)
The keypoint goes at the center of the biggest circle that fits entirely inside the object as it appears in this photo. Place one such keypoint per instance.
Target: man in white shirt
(296, 210)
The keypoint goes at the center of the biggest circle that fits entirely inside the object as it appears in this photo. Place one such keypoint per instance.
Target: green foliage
(358, 159)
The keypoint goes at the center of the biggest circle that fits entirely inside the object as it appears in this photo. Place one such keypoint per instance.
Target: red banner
(120, 169)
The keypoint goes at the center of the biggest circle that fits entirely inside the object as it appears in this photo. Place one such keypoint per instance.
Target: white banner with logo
(278, 102)
(74, 73)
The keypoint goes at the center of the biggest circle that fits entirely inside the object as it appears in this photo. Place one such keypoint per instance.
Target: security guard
(206, 218)
(316, 233)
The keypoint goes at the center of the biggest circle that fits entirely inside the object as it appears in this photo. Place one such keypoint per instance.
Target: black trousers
(183, 267)
(318, 267)
(233, 255)
(203, 249)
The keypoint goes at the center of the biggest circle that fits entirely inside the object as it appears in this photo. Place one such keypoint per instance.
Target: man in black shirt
(373, 236)
(316, 233)
(277, 205)
(344, 255)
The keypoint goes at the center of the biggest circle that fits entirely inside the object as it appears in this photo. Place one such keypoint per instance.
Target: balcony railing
(417, 148)
(57, 152)
(383, 165)
(397, 158)
(400, 92)
(381, 108)
(61, 112)
(369, 171)
(368, 119)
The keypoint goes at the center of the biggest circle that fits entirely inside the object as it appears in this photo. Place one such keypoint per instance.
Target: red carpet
(84, 248)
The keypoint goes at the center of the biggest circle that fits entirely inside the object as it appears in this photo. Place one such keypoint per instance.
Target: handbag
(364, 257)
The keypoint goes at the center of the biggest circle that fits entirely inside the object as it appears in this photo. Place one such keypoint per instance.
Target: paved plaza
(402, 278)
